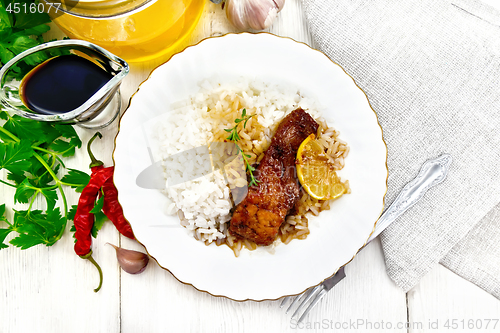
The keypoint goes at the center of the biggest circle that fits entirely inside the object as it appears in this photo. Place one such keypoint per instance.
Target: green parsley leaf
(69, 132)
(22, 43)
(27, 240)
(36, 168)
(36, 30)
(36, 227)
(3, 234)
(17, 179)
(25, 21)
(2, 213)
(71, 215)
(55, 224)
(99, 221)
(98, 205)
(5, 54)
(35, 58)
(44, 179)
(73, 230)
(76, 179)
(62, 147)
(25, 128)
(21, 31)
(50, 197)
(20, 219)
(28, 18)
(24, 191)
(14, 156)
(5, 23)
(99, 217)
(30, 234)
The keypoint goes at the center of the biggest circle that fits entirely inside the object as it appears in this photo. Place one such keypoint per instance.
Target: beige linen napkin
(431, 70)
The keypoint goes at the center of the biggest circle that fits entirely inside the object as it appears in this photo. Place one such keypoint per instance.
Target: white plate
(336, 235)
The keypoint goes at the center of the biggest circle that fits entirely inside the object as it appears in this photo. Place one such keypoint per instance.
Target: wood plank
(155, 301)
(365, 301)
(443, 301)
(493, 3)
(50, 289)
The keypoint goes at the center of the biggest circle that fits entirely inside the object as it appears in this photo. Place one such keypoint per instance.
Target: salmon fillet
(259, 216)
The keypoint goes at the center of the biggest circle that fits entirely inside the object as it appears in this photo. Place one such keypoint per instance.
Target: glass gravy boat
(97, 112)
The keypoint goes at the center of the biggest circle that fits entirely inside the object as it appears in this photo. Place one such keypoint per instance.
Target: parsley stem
(32, 201)
(53, 153)
(43, 150)
(65, 215)
(6, 183)
(47, 188)
(47, 167)
(58, 184)
(9, 134)
(69, 184)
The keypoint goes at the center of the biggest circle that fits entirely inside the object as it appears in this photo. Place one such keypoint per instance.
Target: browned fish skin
(259, 216)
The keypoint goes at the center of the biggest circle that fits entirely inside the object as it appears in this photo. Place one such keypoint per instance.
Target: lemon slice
(316, 174)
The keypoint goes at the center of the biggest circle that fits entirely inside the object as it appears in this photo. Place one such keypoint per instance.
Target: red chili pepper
(114, 210)
(84, 220)
(95, 164)
(111, 208)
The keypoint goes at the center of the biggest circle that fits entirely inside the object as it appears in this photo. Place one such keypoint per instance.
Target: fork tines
(312, 295)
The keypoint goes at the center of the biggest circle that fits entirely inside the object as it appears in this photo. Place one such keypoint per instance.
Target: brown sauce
(62, 84)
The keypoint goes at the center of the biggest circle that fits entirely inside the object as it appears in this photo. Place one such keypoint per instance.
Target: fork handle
(431, 173)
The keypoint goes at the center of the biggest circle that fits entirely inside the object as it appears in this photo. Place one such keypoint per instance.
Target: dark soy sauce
(62, 84)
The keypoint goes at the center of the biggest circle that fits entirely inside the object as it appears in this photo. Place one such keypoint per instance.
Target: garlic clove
(279, 4)
(253, 14)
(260, 14)
(235, 12)
(132, 262)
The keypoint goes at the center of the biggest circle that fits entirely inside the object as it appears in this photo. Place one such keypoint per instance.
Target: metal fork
(431, 173)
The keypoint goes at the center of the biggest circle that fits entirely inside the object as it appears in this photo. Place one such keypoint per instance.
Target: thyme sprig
(235, 137)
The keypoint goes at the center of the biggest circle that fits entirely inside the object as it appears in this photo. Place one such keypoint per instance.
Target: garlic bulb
(254, 14)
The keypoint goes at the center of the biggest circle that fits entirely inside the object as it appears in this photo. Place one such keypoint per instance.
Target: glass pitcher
(135, 30)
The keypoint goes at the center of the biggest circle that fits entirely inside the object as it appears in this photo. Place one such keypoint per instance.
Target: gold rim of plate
(369, 104)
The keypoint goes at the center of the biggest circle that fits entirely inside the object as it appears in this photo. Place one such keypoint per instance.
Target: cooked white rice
(204, 204)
